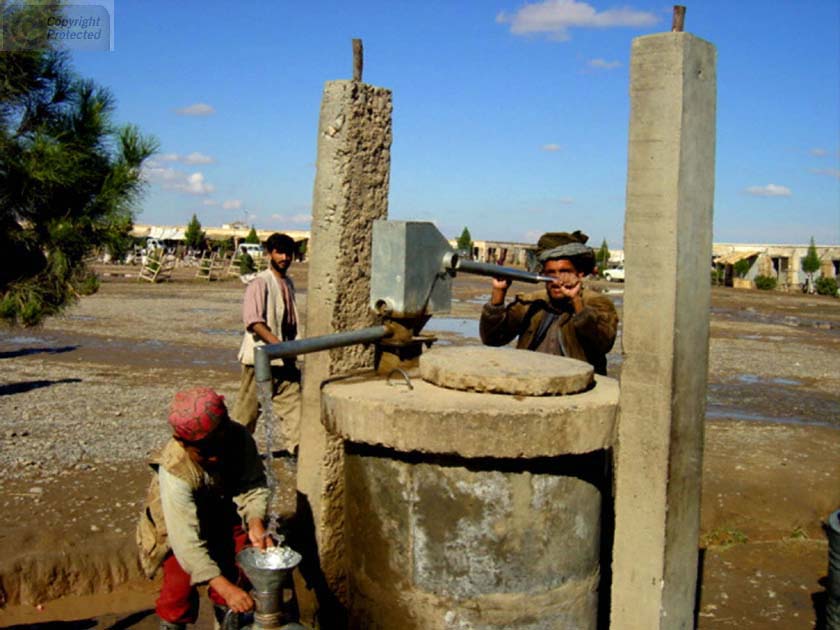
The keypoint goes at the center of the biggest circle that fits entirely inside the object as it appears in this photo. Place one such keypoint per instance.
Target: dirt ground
(83, 400)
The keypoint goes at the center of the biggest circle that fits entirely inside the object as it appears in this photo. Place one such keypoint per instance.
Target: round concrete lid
(504, 371)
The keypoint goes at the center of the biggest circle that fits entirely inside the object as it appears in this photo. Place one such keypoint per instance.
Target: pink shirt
(253, 305)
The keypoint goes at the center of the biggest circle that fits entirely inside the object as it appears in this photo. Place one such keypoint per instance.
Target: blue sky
(509, 118)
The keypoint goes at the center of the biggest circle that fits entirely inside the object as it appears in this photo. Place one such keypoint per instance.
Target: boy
(563, 319)
(206, 502)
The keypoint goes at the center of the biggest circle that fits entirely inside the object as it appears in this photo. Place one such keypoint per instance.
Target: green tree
(465, 241)
(252, 236)
(742, 267)
(826, 286)
(765, 283)
(246, 264)
(602, 257)
(69, 177)
(194, 236)
(811, 263)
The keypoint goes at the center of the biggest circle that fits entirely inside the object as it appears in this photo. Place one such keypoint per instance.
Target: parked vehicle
(254, 250)
(614, 275)
(152, 244)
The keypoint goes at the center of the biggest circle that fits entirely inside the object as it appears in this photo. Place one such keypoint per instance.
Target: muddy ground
(83, 400)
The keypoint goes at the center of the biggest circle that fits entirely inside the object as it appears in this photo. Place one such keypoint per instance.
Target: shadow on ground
(28, 386)
(23, 352)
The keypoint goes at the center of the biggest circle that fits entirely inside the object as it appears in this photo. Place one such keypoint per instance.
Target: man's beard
(278, 268)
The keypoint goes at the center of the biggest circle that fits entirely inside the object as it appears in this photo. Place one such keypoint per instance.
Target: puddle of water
(22, 339)
(455, 325)
(147, 352)
(715, 412)
(81, 318)
(785, 381)
(153, 343)
(752, 379)
(481, 299)
(204, 310)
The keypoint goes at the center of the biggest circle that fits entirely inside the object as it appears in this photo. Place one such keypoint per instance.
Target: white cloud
(831, 172)
(193, 158)
(603, 64)
(197, 158)
(770, 190)
(195, 185)
(556, 17)
(295, 219)
(209, 202)
(196, 109)
(551, 147)
(152, 171)
(173, 179)
(232, 204)
(818, 152)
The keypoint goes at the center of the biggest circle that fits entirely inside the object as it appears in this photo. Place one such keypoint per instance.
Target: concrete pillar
(351, 191)
(668, 245)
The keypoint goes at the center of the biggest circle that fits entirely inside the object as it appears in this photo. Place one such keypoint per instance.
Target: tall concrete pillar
(351, 191)
(668, 246)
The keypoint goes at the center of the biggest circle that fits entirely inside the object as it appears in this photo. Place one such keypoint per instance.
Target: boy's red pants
(178, 600)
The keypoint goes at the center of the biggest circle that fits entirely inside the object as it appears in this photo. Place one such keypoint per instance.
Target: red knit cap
(196, 412)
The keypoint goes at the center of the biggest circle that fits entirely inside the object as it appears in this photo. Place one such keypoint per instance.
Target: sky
(510, 118)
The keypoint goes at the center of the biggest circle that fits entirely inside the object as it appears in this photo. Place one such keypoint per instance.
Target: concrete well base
(470, 510)
(482, 544)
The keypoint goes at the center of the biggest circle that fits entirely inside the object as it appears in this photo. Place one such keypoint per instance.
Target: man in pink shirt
(270, 316)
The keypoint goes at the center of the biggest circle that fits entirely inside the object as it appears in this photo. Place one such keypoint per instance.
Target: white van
(152, 244)
(615, 274)
(254, 250)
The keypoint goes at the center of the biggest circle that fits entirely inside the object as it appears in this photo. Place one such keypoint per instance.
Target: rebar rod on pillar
(358, 59)
(678, 20)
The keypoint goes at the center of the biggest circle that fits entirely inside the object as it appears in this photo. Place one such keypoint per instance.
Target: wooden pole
(358, 59)
(678, 21)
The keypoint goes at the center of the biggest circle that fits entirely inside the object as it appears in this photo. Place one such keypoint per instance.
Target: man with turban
(564, 319)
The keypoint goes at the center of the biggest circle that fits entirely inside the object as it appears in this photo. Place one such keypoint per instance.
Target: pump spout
(264, 355)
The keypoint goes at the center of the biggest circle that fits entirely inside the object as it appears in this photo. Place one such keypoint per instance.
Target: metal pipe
(832, 606)
(264, 355)
(497, 271)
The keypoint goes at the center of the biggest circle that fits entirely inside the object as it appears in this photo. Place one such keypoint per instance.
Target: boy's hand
(499, 290)
(257, 534)
(235, 598)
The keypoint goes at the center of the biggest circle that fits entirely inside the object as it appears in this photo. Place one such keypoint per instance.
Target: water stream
(264, 394)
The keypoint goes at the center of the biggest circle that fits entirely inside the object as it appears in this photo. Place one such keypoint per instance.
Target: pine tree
(252, 236)
(811, 263)
(602, 257)
(194, 236)
(69, 177)
(465, 243)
